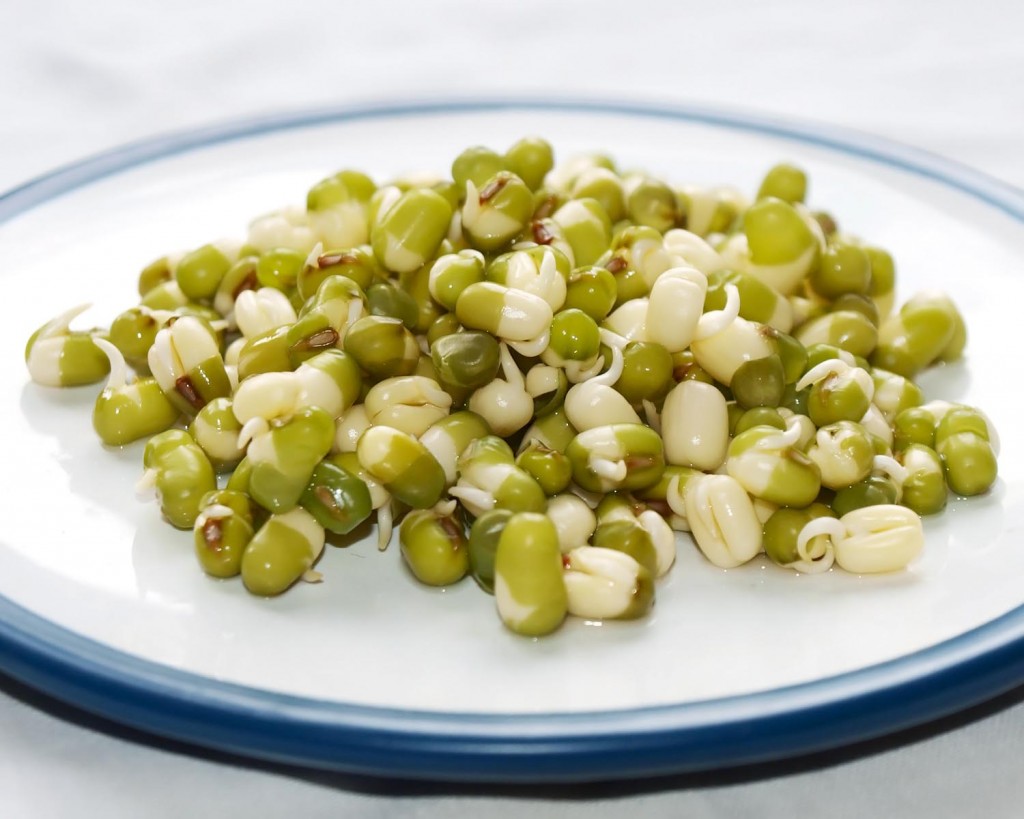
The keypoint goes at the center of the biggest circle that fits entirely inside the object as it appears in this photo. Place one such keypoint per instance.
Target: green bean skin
(476, 164)
(357, 264)
(337, 499)
(924, 489)
(286, 457)
(403, 465)
(529, 588)
(183, 476)
(222, 532)
(132, 412)
(784, 181)
(874, 490)
(468, 360)
(382, 346)
(133, 332)
(591, 289)
(548, 467)
(844, 269)
(157, 272)
(281, 552)
(410, 232)
(200, 272)
(434, 548)
(969, 461)
(484, 536)
(530, 158)
(776, 233)
(265, 353)
(759, 382)
(647, 372)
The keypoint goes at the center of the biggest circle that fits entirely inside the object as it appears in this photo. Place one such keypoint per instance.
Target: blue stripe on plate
(520, 748)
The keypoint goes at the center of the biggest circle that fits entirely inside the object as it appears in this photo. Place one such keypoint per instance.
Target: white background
(76, 78)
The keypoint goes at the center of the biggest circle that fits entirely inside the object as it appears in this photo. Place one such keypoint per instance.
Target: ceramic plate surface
(104, 606)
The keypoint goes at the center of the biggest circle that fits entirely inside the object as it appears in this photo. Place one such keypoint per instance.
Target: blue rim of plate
(560, 747)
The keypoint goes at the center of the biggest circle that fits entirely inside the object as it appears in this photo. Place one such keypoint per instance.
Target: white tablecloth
(76, 78)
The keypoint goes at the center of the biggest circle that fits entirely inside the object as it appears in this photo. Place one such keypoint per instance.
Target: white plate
(104, 606)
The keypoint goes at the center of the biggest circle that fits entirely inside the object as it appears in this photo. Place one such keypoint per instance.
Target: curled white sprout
(615, 343)
(596, 402)
(875, 423)
(893, 468)
(662, 537)
(815, 560)
(837, 367)
(44, 355)
(531, 348)
(693, 250)
(805, 426)
(385, 525)
(784, 439)
(474, 498)
(615, 368)
(59, 325)
(252, 429)
(611, 338)
(606, 468)
(715, 321)
(313, 259)
(577, 372)
(651, 415)
(145, 486)
(510, 370)
(118, 366)
(445, 507)
(819, 560)
(674, 498)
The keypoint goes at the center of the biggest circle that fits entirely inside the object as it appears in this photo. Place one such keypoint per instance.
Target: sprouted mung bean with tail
(541, 375)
